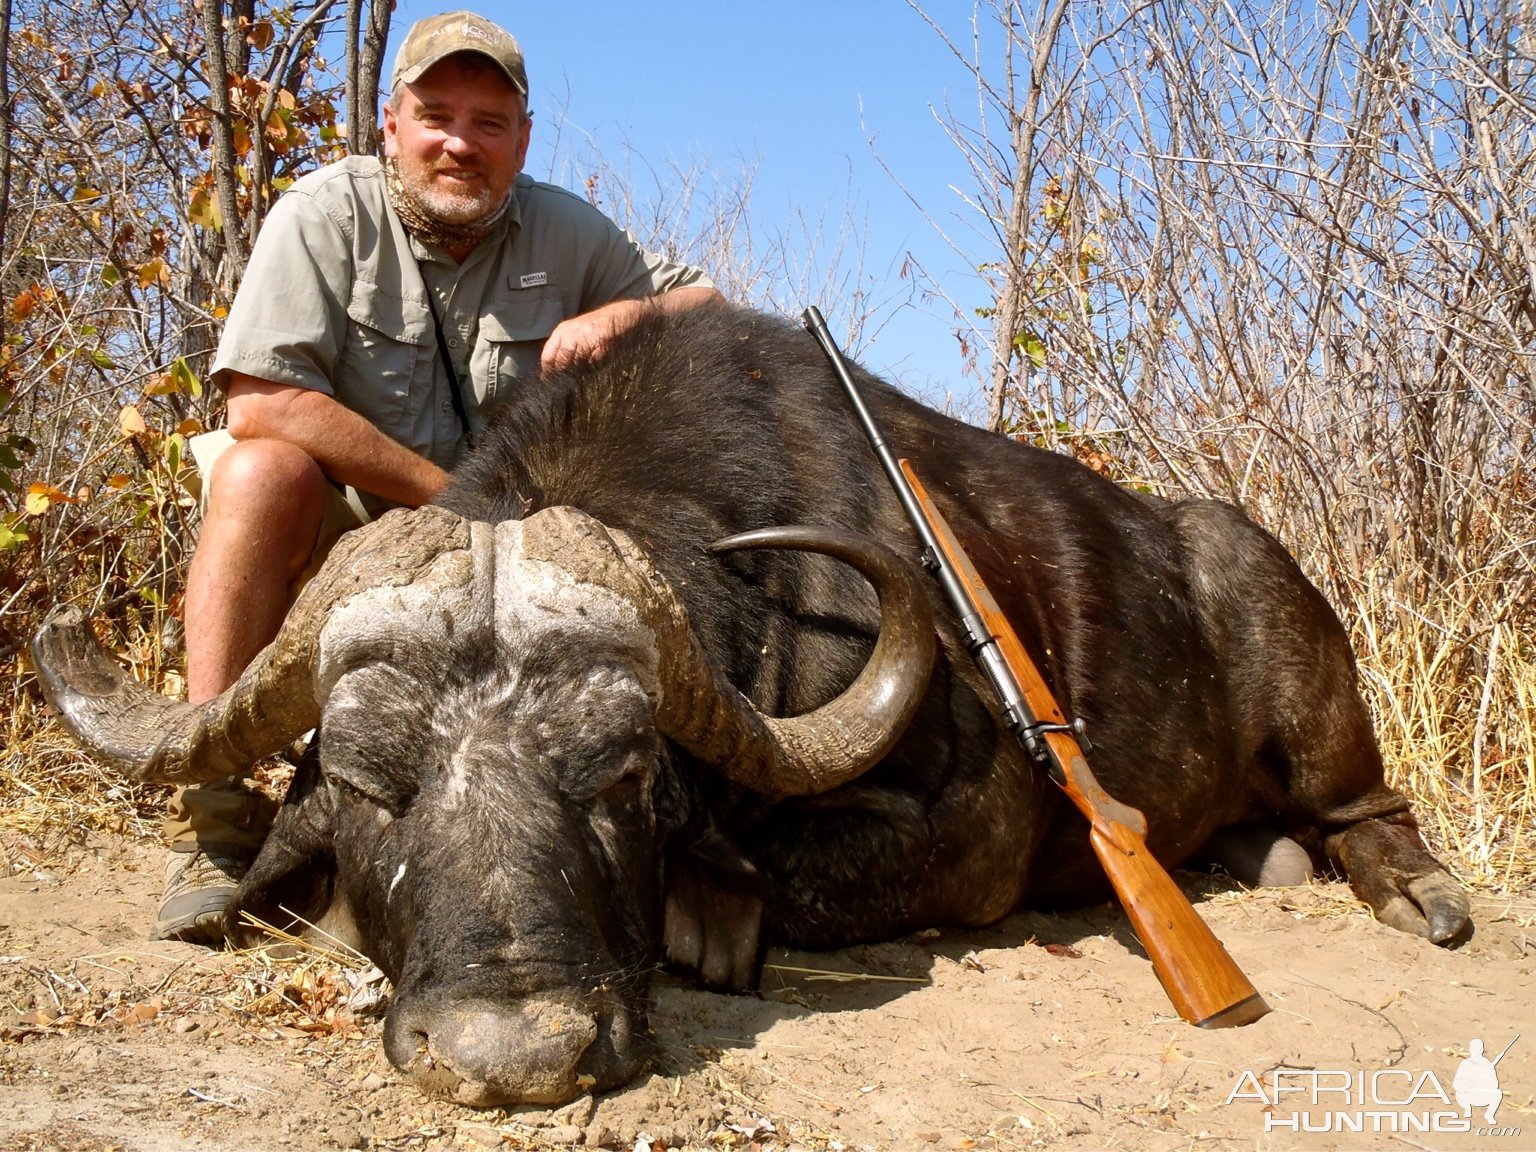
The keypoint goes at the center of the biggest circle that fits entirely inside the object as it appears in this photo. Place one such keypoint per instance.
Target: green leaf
(1031, 346)
(11, 537)
(110, 275)
(186, 379)
(101, 359)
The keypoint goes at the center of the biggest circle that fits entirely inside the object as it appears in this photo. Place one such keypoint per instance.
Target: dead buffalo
(560, 739)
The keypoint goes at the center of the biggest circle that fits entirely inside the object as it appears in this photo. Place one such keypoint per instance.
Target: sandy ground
(1045, 1031)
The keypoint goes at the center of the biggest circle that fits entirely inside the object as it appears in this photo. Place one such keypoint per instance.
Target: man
(387, 309)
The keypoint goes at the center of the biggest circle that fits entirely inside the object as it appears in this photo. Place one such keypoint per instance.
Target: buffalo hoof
(1259, 857)
(485, 1054)
(1432, 906)
(1407, 888)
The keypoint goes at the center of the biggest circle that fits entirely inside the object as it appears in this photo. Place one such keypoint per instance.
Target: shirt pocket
(512, 335)
(386, 366)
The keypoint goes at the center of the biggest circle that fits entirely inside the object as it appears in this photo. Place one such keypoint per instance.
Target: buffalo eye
(629, 758)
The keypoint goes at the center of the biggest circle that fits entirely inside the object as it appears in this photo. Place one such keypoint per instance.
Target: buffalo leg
(1333, 772)
(1301, 722)
(714, 914)
(1390, 869)
(1258, 856)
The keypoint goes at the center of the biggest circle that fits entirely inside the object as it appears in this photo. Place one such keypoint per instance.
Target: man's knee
(267, 478)
(268, 491)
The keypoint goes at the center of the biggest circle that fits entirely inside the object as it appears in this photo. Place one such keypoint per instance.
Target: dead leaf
(142, 1012)
(40, 496)
(131, 422)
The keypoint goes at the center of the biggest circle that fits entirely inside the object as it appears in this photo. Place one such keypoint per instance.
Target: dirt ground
(1045, 1031)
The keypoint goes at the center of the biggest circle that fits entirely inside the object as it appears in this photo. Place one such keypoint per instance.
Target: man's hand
(588, 336)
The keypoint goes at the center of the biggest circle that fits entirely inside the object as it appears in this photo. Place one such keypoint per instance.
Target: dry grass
(53, 795)
(1454, 705)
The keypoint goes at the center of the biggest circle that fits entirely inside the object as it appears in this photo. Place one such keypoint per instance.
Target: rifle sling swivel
(1030, 735)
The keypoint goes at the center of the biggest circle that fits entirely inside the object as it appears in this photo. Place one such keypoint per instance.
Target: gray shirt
(335, 299)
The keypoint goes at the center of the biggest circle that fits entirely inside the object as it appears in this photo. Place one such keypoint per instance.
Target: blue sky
(793, 89)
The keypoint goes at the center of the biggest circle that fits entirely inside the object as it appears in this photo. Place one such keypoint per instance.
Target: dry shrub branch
(1283, 254)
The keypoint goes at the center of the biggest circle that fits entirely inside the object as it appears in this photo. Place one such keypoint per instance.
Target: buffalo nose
(486, 1054)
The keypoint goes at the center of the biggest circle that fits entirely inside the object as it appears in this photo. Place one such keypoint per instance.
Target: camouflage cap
(438, 37)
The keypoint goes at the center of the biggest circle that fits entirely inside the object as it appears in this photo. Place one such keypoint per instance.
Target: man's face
(459, 136)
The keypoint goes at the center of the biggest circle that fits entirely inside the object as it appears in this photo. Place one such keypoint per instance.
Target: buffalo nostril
(485, 1054)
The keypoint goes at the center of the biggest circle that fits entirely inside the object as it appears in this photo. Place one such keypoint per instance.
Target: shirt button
(447, 406)
(453, 342)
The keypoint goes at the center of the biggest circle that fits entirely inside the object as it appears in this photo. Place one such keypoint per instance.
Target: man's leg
(266, 502)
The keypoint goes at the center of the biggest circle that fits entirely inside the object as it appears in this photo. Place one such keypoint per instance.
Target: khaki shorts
(223, 816)
(344, 511)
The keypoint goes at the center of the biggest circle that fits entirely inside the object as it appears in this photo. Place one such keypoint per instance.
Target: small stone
(481, 1135)
(578, 1112)
(601, 1136)
(184, 1026)
(373, 1082)
(563, 1134)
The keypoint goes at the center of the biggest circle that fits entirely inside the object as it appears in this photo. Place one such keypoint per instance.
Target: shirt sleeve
(623, 270)
(289, 316)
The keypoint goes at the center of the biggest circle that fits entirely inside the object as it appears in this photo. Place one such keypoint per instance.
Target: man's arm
(346, 446)
(590, 333)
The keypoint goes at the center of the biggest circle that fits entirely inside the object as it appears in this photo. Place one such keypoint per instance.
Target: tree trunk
(1013, 298)
(365, 63)
(5, 136)
(216, 62)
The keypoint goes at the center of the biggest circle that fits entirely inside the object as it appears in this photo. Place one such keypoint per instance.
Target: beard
(453, 206)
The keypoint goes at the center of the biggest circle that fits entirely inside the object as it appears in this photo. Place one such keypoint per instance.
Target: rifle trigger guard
(1036, 747)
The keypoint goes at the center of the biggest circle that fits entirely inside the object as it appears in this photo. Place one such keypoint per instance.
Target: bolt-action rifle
(1202, 980)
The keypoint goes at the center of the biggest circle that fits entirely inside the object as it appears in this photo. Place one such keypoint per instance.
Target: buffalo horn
(815, 752)
(151, 737)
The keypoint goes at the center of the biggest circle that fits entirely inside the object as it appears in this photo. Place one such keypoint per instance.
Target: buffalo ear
(294, 874)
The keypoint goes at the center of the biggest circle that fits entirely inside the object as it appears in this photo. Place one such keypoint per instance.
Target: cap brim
(416, 71)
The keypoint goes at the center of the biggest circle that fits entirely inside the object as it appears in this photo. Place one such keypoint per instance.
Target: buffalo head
(499, 706)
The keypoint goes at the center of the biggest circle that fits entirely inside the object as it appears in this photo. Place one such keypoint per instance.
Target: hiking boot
(198, 889)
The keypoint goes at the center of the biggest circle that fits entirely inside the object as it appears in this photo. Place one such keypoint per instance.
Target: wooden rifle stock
(1201, 979)
(1205, 984)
